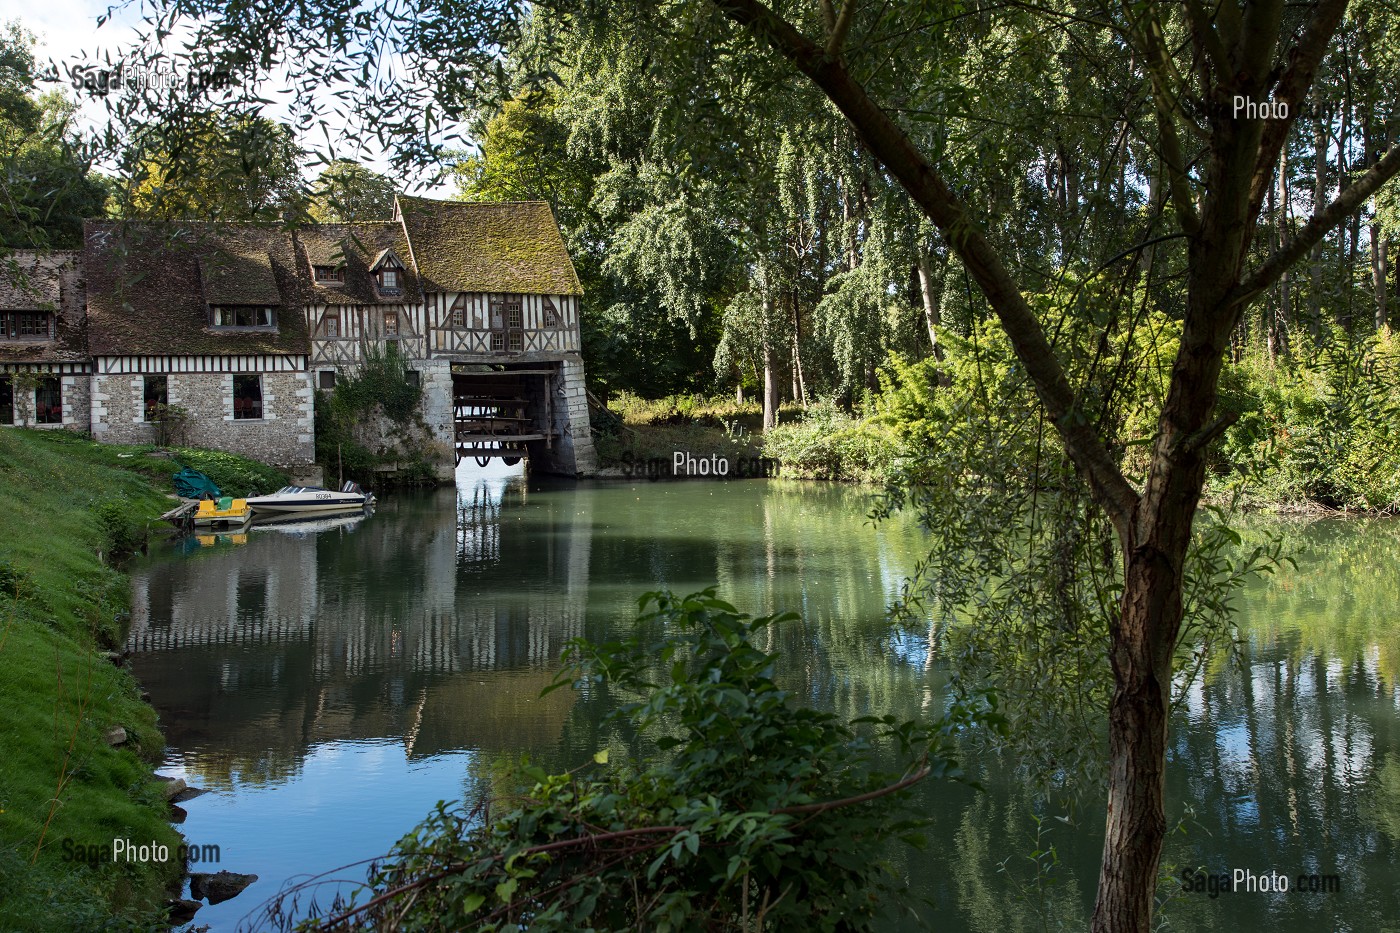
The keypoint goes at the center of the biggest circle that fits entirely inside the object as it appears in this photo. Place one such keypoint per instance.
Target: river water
(328, 684)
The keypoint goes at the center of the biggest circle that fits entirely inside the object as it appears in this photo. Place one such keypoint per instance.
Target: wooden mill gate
(499, 412)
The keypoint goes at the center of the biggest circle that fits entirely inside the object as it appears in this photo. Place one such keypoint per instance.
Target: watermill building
(239, 326)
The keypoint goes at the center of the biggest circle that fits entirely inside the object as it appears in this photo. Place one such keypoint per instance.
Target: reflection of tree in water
(1383, 807)
(1011, 875)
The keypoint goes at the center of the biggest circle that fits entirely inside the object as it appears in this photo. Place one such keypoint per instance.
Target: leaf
(601, 757)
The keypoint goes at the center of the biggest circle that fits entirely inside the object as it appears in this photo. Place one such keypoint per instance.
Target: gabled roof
(150, 286)
(49, 281)
(357, 248)
(461, 246)
(385, 254)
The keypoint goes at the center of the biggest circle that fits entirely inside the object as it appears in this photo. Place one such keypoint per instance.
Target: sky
(68, 31)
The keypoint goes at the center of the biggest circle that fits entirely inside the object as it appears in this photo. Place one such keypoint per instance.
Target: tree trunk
(1319, 197)
(1380, 271)
(928, 291)
(770, 386)
(1283, 319)
(799, 382)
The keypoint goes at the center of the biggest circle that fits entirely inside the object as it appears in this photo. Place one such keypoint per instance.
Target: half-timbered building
(43, 354)
(237, 326)
(205, 319)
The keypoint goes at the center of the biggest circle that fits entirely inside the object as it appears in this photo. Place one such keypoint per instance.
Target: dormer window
(331, 275)
(244, 316)
(388, 273)
(26, 325)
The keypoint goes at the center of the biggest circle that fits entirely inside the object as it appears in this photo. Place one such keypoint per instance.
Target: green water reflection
(418, 640)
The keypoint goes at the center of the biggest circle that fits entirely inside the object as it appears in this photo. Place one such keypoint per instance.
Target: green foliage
(749, 812)
(1321, 431)
(1024, 571)
(235, 475)
(642, 430)
(126, 529)
(349, 416)
(214, 165)
(43, 169)
(346, 191)
(829, 444)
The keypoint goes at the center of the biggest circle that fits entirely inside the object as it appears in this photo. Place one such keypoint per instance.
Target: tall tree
(46, 186)
(347, 191)
(224, 167)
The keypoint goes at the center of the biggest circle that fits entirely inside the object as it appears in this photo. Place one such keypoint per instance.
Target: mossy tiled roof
(150, 285)
(461, 246)
(49, 281)
(355, 247)
(238, 279)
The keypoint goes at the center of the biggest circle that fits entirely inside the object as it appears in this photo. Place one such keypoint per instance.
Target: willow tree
(1213, 92)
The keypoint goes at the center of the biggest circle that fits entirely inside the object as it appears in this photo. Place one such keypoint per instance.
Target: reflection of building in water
(394, 628)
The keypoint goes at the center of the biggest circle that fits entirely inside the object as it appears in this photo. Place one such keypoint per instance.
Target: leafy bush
(124, 527)
(829, 444)
(1321, 431)
(756, 813)
(349, 419)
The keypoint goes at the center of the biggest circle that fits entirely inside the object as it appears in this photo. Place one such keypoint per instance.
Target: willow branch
(1204, 33)
(893, 148)
(1164, 76)
(876, 794)
(841, 28)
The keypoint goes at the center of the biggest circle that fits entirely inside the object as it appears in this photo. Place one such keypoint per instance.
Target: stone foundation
(572, 452)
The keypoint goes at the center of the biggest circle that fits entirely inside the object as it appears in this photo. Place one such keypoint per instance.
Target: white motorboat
(312, 499)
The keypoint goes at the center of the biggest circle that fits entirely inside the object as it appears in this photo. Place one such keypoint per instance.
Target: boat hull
(336, 504)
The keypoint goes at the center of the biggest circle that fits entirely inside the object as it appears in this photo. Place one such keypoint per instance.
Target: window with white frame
(241, 316)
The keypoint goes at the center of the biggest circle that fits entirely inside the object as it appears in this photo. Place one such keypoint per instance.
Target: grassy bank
(819, 442)
(68, 509)
(637, 431)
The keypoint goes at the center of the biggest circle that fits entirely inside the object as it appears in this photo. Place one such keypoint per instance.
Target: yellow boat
(223, 513)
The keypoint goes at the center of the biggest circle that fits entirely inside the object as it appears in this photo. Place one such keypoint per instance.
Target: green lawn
(68, 508)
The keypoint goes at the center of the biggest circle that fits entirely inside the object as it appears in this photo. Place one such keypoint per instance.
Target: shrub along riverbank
(1309, 434)
(69, 509)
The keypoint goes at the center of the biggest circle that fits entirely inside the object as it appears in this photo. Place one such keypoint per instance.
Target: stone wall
(572, 452)
(436, 408)
(283, 436)
(74, 392)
